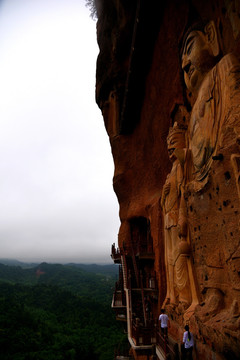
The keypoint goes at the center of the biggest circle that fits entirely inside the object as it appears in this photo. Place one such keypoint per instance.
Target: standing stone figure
(213, 85)
(173, 205)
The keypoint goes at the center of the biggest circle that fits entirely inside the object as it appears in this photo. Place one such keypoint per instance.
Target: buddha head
(199, 54)
(175, 140)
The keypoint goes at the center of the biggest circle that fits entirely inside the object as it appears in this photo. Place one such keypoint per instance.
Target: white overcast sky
(56, 197)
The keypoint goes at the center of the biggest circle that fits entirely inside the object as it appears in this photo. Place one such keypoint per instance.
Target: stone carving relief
(213, 129)
(181, 287)
(214, 125)
(170, 201)
(213, 85)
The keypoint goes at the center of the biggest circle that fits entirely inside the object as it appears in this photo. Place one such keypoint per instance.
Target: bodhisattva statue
(177, 248)
(213, 84)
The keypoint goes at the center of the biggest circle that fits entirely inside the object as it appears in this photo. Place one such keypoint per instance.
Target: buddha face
(197, 59)
(175, 141)
(171, 148)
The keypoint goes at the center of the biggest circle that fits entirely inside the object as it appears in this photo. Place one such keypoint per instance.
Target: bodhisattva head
(200, 53)
(175, 140)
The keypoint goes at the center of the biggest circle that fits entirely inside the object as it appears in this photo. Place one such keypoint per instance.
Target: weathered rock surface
(139, 84)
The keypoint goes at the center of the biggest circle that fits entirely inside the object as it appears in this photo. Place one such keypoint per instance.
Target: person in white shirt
(188, 343)
(164, 321)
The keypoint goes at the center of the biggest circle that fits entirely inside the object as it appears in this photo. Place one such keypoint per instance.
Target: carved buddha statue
(213, 84)
(175, 223)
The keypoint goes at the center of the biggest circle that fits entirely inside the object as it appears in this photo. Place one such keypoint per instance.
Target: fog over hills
(90, 267)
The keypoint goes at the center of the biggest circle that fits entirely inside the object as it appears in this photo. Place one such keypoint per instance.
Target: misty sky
(56, 196)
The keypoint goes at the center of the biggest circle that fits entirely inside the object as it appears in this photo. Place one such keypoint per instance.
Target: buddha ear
(211, 36)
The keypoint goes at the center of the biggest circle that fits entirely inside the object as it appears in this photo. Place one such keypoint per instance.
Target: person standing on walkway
(164, 322)
(188, 343)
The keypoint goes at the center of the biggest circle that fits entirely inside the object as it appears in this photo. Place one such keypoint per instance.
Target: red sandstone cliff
(139, 83)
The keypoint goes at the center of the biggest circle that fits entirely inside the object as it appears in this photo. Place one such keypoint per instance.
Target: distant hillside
(84, 280)
(14, 262)
(43, 321)
(108, 270)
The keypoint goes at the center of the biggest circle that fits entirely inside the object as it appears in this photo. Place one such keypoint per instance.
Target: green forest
(58, 312)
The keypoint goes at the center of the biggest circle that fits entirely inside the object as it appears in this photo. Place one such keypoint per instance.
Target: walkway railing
(167, 349)
(143, 335)
(116, 254)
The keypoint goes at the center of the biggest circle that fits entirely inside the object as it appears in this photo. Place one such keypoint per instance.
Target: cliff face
(184, 236)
